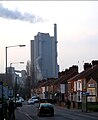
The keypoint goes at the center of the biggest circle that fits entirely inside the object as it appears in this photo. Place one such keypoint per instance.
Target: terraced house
(84, 84)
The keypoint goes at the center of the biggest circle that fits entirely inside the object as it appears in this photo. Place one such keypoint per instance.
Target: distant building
(15, 73)
(28, 68)
(44, 56)
(23, 78)
(2, 77)
(11, 72)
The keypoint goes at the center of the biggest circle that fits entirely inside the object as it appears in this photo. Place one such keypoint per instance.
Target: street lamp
(6, 55)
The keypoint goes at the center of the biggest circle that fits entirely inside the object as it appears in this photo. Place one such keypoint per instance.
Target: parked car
(18, 103)
(43, 100)
(20, 98)
(30, 101)
(45, 109)
(35, 99)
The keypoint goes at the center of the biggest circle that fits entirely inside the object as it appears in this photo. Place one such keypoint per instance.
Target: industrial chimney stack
(55, 40)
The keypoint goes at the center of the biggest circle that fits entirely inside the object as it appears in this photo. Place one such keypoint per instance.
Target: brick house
(60, 86)
(85, 82)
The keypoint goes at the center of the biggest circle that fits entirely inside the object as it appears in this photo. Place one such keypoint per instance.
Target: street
(29, 112)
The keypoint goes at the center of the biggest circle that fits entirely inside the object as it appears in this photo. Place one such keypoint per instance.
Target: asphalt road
(29, 112)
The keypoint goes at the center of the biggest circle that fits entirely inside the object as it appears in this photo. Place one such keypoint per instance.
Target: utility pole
(1, 101)
(15, 89)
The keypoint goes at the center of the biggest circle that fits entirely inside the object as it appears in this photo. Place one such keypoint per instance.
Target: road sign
(87, 93)
(10, 93)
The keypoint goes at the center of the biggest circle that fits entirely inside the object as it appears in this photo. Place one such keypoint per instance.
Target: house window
(79, 85)
(91, 91)
(91, 99)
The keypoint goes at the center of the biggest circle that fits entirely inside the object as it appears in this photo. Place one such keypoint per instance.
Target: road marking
(29, 116)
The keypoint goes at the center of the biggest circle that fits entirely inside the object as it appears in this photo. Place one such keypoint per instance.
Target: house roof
(68, 77)
(40, 83)
(45, 83)
(85, 73)
(64, 78)
(58, 80)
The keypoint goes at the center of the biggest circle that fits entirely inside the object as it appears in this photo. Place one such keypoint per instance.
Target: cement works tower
(44, 56)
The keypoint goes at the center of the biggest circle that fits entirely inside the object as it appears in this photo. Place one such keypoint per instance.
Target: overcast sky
(77, 30)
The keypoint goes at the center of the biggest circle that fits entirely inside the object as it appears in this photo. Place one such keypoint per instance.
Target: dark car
(45, 109)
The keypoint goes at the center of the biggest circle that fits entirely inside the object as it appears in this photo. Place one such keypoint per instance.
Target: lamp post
(6, 55)
(15, 89)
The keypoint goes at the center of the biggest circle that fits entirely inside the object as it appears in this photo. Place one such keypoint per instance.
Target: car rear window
(46, 105)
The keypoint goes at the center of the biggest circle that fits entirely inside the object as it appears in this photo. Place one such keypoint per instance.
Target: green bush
(93, 108)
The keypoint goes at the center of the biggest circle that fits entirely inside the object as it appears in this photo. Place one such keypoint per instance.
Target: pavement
(79, 110)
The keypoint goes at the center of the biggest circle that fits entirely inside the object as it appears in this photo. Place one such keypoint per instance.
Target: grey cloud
(17, 15)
